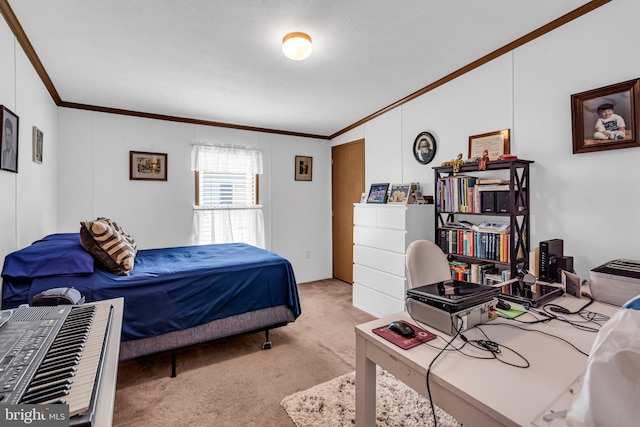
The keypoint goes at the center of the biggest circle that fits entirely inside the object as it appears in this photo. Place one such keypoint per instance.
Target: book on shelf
(534, 262)
(492, 187)
(455, 193)
(481, 181)
(476, 244)
(483, 227)
(493, 227)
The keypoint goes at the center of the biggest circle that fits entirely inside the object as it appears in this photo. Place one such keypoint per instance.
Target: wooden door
(347, 179)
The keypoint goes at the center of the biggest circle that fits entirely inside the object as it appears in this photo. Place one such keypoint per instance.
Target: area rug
(333, 404)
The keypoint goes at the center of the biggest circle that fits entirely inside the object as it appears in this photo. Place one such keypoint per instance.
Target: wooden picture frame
(303, 168)
(495, 143)
(399, 194)
(38, 141)
(147, 166)
(378, 193)
(9, 140)
(596, 127)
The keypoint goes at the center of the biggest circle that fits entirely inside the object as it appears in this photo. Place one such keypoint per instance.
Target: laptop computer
(453, 295)
(534, 295)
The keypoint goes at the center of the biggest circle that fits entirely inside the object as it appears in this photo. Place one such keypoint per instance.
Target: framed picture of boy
(606, 118)
(9, 144)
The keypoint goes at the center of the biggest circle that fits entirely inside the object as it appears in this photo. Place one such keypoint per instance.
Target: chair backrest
(426, 263)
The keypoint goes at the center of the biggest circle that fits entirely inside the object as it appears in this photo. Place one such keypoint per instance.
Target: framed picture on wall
(303, 168)
(38, 137)
(606, 118)
(9, 141)
(424, 148)
(494, 143)
(147, 166)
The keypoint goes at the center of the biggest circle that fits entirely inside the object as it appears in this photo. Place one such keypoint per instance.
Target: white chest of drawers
(381, 234)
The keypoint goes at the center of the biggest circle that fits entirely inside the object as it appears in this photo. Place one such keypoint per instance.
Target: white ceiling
(221, 60)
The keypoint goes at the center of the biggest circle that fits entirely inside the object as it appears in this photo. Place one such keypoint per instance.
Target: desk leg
(365, 386)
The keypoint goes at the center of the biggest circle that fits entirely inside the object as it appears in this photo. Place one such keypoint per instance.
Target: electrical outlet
(308, 254)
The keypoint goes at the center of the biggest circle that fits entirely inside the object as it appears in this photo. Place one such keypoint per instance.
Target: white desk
(479, 392)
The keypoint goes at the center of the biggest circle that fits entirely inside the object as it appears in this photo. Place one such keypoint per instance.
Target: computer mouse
(503, 305)
(401, 327)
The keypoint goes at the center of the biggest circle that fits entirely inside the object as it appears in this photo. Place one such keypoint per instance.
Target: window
(226, 208)
(225, 189)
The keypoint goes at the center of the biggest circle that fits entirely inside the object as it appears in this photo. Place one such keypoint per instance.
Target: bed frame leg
(173, 364)
(267, 343)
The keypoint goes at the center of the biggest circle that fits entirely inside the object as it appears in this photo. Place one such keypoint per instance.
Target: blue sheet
(171, 289)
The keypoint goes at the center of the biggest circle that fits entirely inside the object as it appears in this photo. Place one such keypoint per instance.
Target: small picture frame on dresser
(399, 194)
(378, 193)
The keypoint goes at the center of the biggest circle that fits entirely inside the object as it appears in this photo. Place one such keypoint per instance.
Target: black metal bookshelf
(517, 214)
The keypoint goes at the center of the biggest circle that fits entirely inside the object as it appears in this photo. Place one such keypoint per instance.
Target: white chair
(426, 263)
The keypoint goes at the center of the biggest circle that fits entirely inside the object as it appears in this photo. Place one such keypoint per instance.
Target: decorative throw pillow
(107, 246)
(126, 236)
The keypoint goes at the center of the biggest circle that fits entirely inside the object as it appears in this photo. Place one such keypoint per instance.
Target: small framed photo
(424, 148)
(606, 118)
(378, 193)
(147, 166)
(9, 141)
(494, 143)
(37, 145)
(399, 193)
(303, 166)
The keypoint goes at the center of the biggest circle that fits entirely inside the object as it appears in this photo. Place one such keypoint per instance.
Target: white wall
(94, 181)
(28, 198)
(589, 200)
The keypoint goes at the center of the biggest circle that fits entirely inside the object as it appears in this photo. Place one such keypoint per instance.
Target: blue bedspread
(171, 289)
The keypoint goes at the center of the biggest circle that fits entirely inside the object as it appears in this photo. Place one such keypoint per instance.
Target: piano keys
(58, 355)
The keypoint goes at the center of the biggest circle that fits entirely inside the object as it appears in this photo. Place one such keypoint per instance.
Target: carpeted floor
(332, 404)
(233, 382)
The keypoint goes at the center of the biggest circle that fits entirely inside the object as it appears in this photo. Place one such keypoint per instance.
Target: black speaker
(502, 201)
(488, 201)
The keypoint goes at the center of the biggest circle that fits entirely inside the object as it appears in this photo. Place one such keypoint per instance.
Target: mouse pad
(420, 337)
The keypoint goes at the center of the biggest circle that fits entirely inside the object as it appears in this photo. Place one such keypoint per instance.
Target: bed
(173, 297)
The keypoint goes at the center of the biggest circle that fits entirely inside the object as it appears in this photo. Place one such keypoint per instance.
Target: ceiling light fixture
(297, 46)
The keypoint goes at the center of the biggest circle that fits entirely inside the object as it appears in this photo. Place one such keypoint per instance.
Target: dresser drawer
(381, 238)
(392, 217)
(390, 262)
(364, 215)
(383, 216)
(380, 281)
(374, 302)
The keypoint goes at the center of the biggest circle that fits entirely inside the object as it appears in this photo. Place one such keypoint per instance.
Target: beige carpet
(233, 382)
(332, 404)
